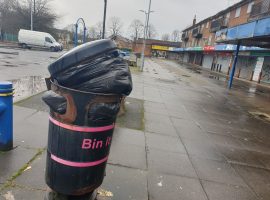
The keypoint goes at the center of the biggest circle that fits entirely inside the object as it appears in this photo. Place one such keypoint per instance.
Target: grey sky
(168, 15)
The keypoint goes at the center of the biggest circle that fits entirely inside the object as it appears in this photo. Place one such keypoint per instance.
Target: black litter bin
(83, 110)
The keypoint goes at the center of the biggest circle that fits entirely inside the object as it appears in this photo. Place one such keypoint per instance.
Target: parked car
(125, 55)
(29, 39)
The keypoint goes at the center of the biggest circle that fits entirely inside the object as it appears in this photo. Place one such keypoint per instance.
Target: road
(26, 69)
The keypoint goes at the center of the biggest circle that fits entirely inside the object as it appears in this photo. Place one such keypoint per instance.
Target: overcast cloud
(168, 16)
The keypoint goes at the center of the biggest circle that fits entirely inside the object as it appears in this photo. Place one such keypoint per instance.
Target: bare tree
(175, 37)
(136, 29)
(7, 16)
(165, 37)
(99, 29)
(92, 32)
(151, 33)
(115, 26)
(15, 14)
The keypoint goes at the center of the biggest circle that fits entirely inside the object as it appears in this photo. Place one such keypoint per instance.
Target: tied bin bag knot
(84, 95)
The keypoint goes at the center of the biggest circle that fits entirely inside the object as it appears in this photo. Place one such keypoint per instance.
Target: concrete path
(199, 142)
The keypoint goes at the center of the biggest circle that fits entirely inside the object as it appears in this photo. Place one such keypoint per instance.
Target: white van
(28, 39)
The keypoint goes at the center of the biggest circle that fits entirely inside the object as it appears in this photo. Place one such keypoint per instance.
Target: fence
(9, 37)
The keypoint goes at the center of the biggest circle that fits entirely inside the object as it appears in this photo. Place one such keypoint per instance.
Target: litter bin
(83, 111)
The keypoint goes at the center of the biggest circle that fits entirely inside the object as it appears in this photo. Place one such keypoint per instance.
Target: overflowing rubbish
(86, 88)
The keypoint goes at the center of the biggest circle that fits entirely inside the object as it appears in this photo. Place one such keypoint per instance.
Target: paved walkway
(199, 143)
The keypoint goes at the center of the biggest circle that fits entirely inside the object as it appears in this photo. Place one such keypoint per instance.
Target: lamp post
(146, 27)
(32, 12)
(104, 18)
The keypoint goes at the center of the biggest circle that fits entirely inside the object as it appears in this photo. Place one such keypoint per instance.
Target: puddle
(215, 77)
(252, 92)
(28, 86)
(186, 75)
(9, 53)
(9, 65)
(166, 80)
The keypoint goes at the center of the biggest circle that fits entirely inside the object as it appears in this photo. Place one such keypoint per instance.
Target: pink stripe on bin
(81, 128)
(78, 164)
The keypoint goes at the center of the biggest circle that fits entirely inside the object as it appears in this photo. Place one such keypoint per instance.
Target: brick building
(157, 48)
(199, 40)
(122, 42)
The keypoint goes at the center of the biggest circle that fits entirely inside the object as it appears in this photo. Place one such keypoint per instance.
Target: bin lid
(5, 85)
(81, 53)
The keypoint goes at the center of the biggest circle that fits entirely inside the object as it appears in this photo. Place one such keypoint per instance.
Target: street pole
(31, 15)
(146, 33)
(104, 19)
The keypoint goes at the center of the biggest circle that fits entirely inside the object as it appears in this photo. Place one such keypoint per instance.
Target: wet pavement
(198, 141)
(26, 69)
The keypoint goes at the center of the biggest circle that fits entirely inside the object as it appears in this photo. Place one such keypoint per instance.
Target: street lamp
(146, 27)
(32, 12)
(104, 19)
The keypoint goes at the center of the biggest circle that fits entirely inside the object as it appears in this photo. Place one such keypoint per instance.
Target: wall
(243, 18)
(137, 48)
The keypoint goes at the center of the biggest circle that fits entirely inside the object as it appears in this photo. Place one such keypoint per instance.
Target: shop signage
(161, 48)
(209, 48)
(260, 53)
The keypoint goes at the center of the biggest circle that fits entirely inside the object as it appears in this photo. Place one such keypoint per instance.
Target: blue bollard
(6, 116)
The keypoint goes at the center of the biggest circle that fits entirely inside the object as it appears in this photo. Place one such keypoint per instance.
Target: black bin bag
(86, 88)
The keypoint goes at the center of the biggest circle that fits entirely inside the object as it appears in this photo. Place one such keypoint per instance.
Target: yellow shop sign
(162, 48)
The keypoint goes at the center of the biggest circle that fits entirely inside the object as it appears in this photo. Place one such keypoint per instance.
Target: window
(207, 25)
(228, 15)
(226, 21)
(210, 40)
(47, 39)
(237, 12)
(250, 5)
(202, 27)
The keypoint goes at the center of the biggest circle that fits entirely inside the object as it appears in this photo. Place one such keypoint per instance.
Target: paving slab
(13, 161)
(133, 116)
(242, 156)
(34, 177)
(216, 171)
(164, 143)
(177, 111)
(165, 162)
(18, 193)
(204, 149)
(154, 118)
(125, 183)
(128, 155)
(189, 129)
(156, 108)
(34, 127)
(21, 113)
(218, 191)
(160, 128)
(257, 179)
(128, 136)
(224, 140)
(174, 188)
